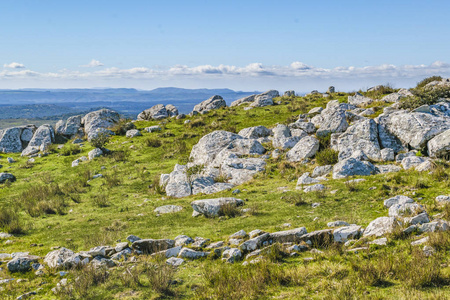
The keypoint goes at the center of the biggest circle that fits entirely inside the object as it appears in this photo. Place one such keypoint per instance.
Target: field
(52, 204)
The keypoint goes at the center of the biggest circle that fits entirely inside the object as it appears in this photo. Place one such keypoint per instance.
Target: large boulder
(346, 233)
(288, 236)
(55, 259)
(362, 136)
(15, 139)
(439, 146)
(414, 129)
(382, 226)
(99, 121)
(205, 151)
(214, 102)
(21, 263)
(178, 184)
(283, 137)
(265, 99)
(70, 127)
(43, 137)
(307, 147)
(150, 246)
(247, 99)
(7, 176)
(359, 100)
(333, 120)
(212, 207)
(158, 112)
(352, 167)
(255, 132)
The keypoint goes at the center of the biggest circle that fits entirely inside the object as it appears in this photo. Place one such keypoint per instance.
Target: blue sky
(247, 45)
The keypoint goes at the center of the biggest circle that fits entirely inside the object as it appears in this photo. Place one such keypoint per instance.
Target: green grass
(84, 212)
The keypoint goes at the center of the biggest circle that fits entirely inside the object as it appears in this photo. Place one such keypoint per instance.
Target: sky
(243, 45)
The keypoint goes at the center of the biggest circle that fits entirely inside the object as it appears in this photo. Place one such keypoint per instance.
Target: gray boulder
(212, 207)
(265, 99)
(255, 132)
(55, 259)
(321, 171)
(382, 226)
(332, 120)
(44, 136)
(439, 146)
(362, 136)
(359, 100)
(97, 152)
(247, 99)
(150, 246)
(158, 112)
(288, 236)
(307, 147)
(7, 176)
(21, 263)
(133, 133)
(214, 102)
(343, 234)
(178, 184)
(70, 127)
(412, 162)
(192, 254)
(99, 121)
(352, 167)
(15, 139)
(413, 129)
(172, 111)
(205, 151)
(231, 255)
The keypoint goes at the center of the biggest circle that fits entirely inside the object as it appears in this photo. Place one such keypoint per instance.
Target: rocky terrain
(327, 196)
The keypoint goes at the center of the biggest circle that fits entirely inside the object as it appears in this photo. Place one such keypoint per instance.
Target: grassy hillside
(52, 204)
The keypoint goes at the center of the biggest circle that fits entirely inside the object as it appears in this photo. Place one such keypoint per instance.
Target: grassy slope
(128, 187)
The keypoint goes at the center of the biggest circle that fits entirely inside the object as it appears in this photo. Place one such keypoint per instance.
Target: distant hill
(30, 103)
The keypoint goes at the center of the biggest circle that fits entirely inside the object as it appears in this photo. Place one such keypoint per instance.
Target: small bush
(100, 200)
(229, 210)
(121, 155)
(100, 140)
(70, 149)
(197, 123)
(327, 157)
(122, 127)
(152, 142)
(427, 80)
(43, 199)
(10, 221)
(86, 280)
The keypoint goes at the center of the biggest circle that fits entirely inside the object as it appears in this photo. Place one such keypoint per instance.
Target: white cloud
(94, 63)
(14, 65)
(252, 75)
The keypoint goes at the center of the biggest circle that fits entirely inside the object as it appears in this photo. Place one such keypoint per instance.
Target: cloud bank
(252, 76)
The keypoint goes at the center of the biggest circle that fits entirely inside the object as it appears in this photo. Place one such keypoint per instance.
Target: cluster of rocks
(30, 140)
(219, 161)
(260, 100)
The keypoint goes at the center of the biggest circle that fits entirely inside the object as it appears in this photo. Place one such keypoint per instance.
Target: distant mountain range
(45, 103)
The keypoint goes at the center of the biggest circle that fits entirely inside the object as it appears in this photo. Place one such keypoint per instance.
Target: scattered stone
(167, 209)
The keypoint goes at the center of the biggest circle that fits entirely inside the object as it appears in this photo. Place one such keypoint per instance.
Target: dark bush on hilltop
(427, 80)
(423, 95)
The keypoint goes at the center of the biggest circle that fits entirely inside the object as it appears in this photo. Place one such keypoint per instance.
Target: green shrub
(70, 149)
(100, 140)
(10, 221)
(427, 80)
(153, 142)
(327, 157)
